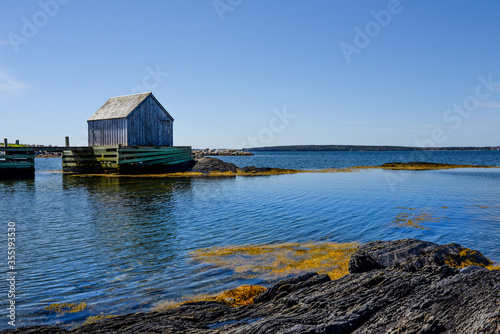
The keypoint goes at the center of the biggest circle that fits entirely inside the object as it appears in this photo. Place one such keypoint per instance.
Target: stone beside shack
(221, 152)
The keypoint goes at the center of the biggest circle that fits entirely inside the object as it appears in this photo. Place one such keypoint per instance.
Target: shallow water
(122, 245)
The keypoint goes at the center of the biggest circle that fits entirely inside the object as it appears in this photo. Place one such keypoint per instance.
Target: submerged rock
(426, 165)
(402, 286)
(253, 169)
(416, 164)
(207, 165)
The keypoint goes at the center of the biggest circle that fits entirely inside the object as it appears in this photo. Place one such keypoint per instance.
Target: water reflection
(95, 240)
(10, 187)
(131, 217)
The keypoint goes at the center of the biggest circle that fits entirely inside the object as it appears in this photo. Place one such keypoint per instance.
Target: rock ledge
(402, 286)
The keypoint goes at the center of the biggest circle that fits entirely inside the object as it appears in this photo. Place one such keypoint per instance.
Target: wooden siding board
(149, 125)
(107, 132)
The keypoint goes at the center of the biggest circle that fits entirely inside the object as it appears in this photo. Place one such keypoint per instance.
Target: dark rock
(207, 165)
(471, 269)
(361, 262)
(284, 287)
(411, 292)
(411, 254)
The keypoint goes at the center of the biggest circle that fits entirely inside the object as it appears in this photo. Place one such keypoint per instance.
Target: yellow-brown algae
(97, 318)
(242, 295)
(281, 259)
(466, 258)
(415, 218)
(63, 308)
(269, 260)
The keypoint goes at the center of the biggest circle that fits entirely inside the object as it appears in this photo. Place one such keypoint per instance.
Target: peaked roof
(122, 106)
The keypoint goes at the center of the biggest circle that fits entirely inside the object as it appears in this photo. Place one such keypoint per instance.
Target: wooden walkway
(19, 162)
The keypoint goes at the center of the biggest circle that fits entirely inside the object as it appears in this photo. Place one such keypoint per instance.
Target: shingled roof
(122, 106)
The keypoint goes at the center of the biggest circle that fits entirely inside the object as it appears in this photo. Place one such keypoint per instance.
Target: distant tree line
(368, 148)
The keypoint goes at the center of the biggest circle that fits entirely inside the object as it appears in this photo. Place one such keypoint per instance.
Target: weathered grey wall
(108, 132)
(148, 125)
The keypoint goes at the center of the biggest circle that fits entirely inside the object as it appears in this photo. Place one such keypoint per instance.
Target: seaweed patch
(243, 295)
(416, 218)
(97, 318)
(62, 308)
(281, 260)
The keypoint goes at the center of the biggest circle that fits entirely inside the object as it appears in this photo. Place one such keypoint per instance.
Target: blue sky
(248, 73)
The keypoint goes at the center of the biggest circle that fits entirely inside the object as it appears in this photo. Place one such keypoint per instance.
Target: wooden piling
(5, 142)
(66, 139)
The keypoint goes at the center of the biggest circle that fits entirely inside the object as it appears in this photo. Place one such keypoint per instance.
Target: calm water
(321, 160)
(122, 245)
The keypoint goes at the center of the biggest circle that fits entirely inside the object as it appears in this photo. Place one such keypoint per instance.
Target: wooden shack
(128, 134)
(131, 120)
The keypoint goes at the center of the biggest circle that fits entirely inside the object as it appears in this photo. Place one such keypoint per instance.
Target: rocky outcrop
(400, 286)
(207, 165)
(207, 151)
(412, 255)
(214, 167)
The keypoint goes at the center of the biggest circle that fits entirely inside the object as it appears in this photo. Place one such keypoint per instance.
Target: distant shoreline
(313, 148)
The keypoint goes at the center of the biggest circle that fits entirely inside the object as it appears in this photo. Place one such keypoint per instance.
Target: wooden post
(17, 141)
(5, 142)
(67, 141)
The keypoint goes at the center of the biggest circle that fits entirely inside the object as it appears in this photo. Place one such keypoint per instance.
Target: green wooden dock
(120, 159)
(17, 162)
